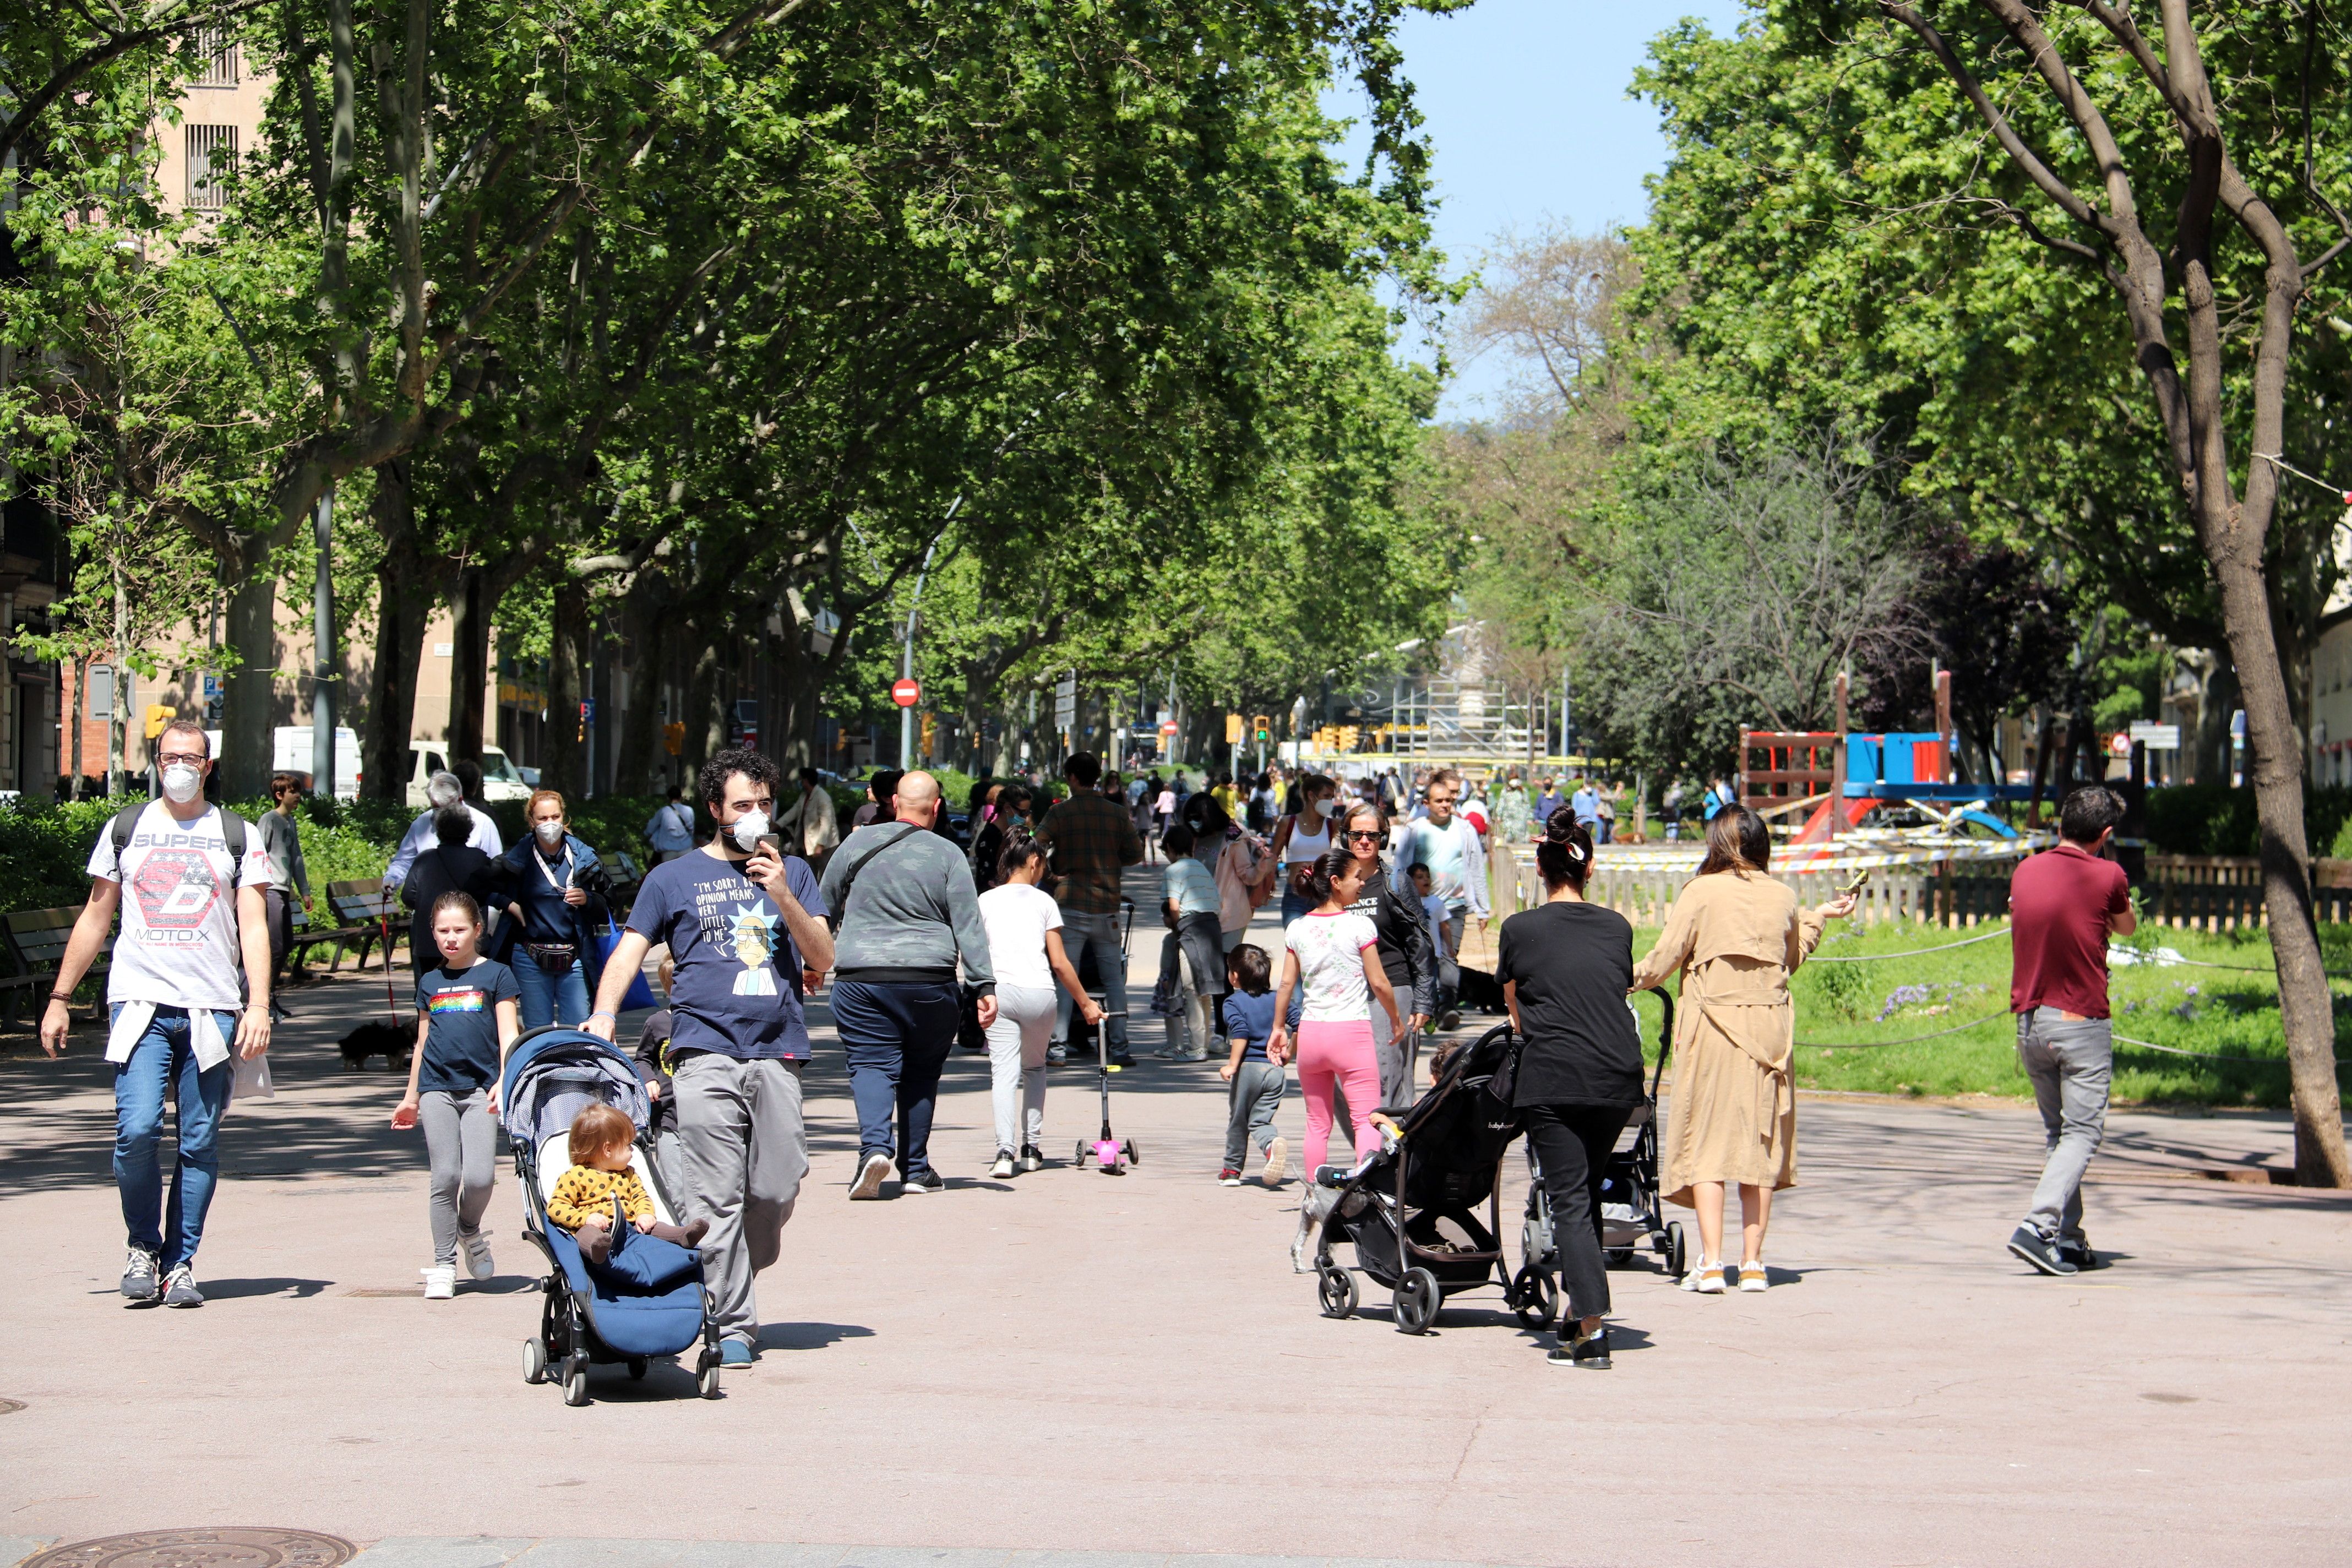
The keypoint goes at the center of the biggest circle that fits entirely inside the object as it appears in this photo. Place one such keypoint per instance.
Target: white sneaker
(1710, 1280)
(1005, 1165)
(1751, 1278)
(1277, 1163)
(476, 1248)
(440, 1282)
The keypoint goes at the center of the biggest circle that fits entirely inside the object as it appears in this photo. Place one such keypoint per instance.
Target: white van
(289, 751)
(500, 779)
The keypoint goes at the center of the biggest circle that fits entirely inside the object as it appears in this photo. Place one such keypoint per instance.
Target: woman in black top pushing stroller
(1565, 967)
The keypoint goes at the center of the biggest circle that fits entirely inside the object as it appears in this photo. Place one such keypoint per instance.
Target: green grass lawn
(2224, 1011)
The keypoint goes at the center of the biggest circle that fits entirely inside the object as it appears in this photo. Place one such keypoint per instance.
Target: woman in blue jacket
(556, 889)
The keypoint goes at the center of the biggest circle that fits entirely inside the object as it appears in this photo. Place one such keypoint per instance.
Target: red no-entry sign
(906, 691)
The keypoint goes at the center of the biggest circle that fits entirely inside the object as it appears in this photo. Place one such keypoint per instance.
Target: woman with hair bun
(1566, 966)
(1025, 947)
(1737, 935)
(1334, 957)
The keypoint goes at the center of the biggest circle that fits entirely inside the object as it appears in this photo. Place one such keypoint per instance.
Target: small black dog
(1481, 990)
(389, 1041)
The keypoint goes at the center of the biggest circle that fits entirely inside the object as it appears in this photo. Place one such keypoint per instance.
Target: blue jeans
(1294, 903)
(896, 1037)
(558, 998)
(164, 1059)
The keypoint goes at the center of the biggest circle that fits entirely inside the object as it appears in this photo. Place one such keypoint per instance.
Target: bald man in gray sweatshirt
(909, 913)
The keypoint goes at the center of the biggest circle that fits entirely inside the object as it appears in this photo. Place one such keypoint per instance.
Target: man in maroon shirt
(2064, 904)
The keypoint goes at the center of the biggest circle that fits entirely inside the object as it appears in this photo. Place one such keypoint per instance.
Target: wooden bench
(370, 914)
(36, 942)
(308, 935)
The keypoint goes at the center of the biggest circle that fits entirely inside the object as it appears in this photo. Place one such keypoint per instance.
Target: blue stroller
(551, 1074)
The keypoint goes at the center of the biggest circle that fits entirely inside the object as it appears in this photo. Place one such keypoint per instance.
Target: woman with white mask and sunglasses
(1303, 838)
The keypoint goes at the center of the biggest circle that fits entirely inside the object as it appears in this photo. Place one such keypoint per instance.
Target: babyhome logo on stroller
(176, 889)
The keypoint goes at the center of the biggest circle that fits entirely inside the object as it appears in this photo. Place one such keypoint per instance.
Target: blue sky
(1526, 108)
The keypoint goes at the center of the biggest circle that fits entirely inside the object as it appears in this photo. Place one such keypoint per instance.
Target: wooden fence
(2196, 893)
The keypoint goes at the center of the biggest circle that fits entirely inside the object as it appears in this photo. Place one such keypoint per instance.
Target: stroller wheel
(1618, 1257)
(1337, 1287)
(575, 1381)
(637, 1367)
(1416, 1301)
(534, 1360)
(706, 1375)
(1675, 1258)
(1534, 1298)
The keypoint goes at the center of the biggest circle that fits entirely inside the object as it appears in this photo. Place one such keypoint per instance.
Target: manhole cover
(229, 1548)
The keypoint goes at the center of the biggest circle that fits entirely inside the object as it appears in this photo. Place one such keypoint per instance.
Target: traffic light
(1346, 737)
(1232, 729)
(1263, 726)
(158, 715)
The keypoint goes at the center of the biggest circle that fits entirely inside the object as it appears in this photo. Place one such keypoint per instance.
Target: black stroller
(551, 1075)
(1631, 1214)
(1412, 1210)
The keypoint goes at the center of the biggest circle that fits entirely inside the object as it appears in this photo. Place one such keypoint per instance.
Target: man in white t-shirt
(197, 913)
(446, 788)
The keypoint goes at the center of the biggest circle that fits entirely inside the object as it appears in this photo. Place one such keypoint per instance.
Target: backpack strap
(849, 877)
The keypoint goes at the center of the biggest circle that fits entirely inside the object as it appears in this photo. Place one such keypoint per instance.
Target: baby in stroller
(600, 1192)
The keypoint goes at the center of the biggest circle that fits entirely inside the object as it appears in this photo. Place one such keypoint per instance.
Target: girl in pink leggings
(1335, 957)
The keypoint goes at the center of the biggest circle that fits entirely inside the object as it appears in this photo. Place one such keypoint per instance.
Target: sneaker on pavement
(1057, 1054)
(1121, 1059)
(476, 1247)
(1709, 1277)
(1229, 1177)
(1277, 1163)
(1450, 1021)
(139, 1272)
(1752, 1279)
(920, 1182)
(440, 1282)
(180, 1289)
(869, 1176)
(1005, 1165)
(2034, 1248)
(1591, 1351)
(735, 1350)
(1032, 1157)
(2076, 1250)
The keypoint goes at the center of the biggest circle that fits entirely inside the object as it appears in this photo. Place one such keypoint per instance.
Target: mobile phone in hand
(772, 843)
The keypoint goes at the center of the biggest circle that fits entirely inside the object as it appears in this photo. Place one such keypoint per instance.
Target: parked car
(290, 752)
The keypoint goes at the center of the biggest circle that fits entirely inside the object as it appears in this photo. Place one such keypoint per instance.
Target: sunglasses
(1370, 837)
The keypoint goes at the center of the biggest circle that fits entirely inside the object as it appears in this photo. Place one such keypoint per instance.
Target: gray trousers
(2071, 1063)
(461, 1145)
(744, 1150)
(1016, 1063)
(1249, 1110)
(1082, 933)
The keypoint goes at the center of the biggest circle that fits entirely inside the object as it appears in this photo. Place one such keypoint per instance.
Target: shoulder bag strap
(849, 877)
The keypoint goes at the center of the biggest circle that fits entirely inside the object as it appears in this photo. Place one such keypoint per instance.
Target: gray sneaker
(2036, 1248)
(180, 1289)
(139, 1274)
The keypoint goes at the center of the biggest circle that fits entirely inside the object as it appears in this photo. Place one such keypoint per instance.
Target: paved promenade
(1126, 1371)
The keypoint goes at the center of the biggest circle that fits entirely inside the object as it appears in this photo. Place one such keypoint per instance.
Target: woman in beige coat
(1737, 935)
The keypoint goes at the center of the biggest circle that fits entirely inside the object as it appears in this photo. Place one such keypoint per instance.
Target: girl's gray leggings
(1016, 1063)
(460, 1142)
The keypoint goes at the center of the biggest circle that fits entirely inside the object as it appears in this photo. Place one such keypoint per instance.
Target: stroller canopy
(553, 1074)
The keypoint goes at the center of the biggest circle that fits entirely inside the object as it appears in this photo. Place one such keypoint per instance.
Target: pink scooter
(1107, 1153)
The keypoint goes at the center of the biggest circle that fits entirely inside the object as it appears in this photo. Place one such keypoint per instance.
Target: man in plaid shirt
(1087, 837)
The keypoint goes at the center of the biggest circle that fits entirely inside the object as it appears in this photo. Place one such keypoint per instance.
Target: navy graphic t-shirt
(461, 1031)
(736, 990)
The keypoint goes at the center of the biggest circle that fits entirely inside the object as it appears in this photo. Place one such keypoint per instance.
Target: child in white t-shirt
(1025, 948)
(1333, 957)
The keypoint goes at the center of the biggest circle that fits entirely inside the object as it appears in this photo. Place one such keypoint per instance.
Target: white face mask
(750, 828)
(182, 782)
(551, 834)
(1327, 807)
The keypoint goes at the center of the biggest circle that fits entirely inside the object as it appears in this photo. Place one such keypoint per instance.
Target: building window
(217, 52)
(211, 148)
